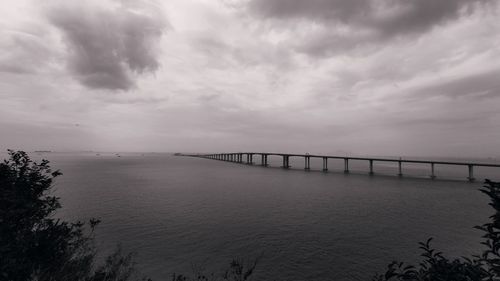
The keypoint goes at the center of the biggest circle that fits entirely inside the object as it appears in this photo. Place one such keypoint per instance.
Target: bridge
(248, 158)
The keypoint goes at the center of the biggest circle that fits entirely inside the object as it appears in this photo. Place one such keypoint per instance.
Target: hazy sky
(381, 77)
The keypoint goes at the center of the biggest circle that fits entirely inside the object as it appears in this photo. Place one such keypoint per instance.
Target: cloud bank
(109, 45)
(394, 77)
(338, 25)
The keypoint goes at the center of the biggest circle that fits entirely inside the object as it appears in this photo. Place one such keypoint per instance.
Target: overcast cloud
(381, 77)
(107, 46)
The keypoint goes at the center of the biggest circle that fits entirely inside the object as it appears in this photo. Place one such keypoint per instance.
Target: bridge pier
(471, 173)
(400, 169)
(325, 164)
(286, 161)
(263, 160)
(346, 165)
(249, 158)
(371, 167)
(433, 175)
(307, 163)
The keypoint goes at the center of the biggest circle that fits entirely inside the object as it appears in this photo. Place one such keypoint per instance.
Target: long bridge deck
(238, 158)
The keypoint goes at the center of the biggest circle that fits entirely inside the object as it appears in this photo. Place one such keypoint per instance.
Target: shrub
(435, 266)
(36, 246)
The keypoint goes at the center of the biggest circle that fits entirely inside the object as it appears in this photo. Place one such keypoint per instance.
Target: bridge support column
(325, 164)
(286, 163)
(346, 165)
(263, 160)
(471, 173)
(433, 175)
(400, 169)
(371, 167)
(307, 163)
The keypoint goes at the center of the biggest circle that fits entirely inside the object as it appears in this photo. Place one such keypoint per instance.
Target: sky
(358, 77)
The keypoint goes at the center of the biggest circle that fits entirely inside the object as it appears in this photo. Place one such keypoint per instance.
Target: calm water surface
(176, 212)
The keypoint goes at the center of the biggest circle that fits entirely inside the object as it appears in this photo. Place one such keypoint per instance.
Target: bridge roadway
(237, 157)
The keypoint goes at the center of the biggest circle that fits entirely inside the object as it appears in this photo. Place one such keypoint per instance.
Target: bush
(436, 267)
(36, 246)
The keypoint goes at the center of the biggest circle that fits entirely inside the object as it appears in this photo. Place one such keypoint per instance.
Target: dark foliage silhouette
(239, 270)
(436, 267)
(36, 246)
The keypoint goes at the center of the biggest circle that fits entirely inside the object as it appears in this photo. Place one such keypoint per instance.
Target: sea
(188, 215)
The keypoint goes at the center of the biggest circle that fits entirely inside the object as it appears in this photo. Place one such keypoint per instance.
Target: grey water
(180, 214)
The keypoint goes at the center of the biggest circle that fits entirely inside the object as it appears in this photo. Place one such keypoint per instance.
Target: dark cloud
(352, 23)
(108, 47)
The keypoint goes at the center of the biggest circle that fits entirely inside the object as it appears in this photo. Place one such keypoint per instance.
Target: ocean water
(183, 214)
